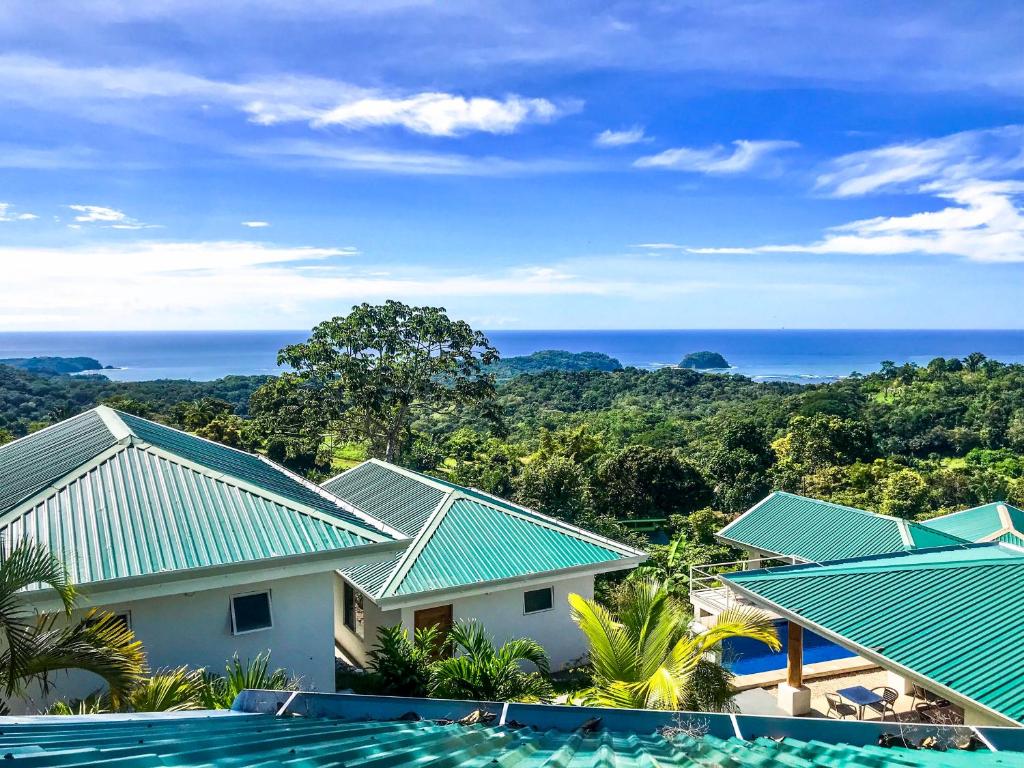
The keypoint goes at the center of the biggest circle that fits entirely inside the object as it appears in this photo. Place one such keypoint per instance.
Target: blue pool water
(745, 657)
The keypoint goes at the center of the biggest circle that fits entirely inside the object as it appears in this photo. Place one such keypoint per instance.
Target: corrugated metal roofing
(138, 513)
(787, 524)
(401, 501)
(265, 740)
(978, 523)
(244, 466)
(30, 464)
(475, 542)
(952, 616)
(475, 538)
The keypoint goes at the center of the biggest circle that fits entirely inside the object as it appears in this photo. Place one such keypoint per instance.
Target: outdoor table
(861, 696)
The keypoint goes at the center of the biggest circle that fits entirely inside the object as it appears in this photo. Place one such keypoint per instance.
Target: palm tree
(33, 646)
(647, 658)
(481, 672)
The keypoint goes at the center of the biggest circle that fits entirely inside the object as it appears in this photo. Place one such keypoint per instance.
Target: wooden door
(440, 617)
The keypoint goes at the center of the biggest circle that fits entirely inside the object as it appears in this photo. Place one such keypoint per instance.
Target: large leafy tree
(372, 372)
(647, 658)
(34, 646)
(640, 481)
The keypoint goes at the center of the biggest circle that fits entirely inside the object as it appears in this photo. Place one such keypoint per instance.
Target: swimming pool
(745, 657)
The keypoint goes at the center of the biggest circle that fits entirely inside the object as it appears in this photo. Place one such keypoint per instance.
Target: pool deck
(832, 668)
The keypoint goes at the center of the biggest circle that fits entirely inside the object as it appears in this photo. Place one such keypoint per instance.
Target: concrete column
(794, 696)
(900, 683)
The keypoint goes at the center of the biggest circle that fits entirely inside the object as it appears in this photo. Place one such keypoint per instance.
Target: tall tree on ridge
(373, 371)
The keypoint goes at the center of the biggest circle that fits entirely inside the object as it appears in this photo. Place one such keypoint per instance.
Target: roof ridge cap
(115, 424)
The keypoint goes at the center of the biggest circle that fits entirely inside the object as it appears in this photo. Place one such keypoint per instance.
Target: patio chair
(888, 703)
(841, 708)
(924, 698)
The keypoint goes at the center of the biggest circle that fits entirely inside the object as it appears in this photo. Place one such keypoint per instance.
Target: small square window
(250, 613)
(536, 600)
(124, 618)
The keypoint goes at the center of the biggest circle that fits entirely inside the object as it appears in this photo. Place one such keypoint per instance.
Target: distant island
(553, 360)
(704, 361)
(54, 366)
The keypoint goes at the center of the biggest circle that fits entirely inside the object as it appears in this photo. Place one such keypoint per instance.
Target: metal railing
(705, 581)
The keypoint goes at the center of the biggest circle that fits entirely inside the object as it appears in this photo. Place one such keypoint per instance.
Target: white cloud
(108, 94)
(982, 154)
(441, 114)
(975, 175)
(743, 156)
(610, 138)
(222, 283)
(255, 224)
(7, 214)
(106, 217)
(659, 246)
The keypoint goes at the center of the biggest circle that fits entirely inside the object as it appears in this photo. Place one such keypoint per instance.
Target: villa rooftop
(326, 729)
(997, 521)
(948, 618)
(789, 525)
(119, 497)
(462, 536)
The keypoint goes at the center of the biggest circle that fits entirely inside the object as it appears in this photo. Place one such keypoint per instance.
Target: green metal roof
(787, 524)
(949, 615)
(194, 740)
(981, 523)
(30, 464)
(402, 500)
(138, 513)
(147, 499)
(468, 537)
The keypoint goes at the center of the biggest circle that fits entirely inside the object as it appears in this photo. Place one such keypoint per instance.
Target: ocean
(780, 355)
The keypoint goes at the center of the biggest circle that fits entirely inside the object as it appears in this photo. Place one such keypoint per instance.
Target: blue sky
(185, 164)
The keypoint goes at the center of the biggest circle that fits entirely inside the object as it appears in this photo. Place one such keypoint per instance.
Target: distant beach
(766, 355)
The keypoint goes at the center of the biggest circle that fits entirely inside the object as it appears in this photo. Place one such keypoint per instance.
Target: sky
(181, 164)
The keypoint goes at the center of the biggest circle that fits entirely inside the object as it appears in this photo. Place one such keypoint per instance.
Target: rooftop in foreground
(336, 729)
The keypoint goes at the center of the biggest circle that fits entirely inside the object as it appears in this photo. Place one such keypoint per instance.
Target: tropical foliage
(402, 666)
(647, 658)
(35, 646)
(482, 672)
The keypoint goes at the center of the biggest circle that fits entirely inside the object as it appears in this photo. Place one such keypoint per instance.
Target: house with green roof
(787, 525)
(997, 521)
(472, 556)
(947, 619)
(202, 549)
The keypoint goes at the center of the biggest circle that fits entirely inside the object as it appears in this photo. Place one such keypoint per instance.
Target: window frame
(125, 615)
(551, 600)
(270, 612)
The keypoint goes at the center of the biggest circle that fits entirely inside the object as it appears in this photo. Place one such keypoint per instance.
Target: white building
(472, 556)
(207, 551)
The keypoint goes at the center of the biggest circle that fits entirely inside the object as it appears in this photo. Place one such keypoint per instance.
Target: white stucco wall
(501, 613)
(195, 629)
(357, 647)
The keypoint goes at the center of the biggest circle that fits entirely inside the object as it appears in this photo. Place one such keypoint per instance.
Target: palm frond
(167, 690)
(741, 622)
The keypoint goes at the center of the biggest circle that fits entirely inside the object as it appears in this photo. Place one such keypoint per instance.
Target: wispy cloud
(610, 138)
(106, 217)
(974, 173)
(104, 93)
(7, 213)
(255, 224)
(743, 156)
(321, 155)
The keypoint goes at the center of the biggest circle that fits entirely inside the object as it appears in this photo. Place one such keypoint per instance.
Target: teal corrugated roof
(30, 464)
(474, 538)
(138, 513)
(264, 740)
(979, 523)
(244, 466)
(951, 615)
(402, 500)
(787, 524)
(476, 542)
